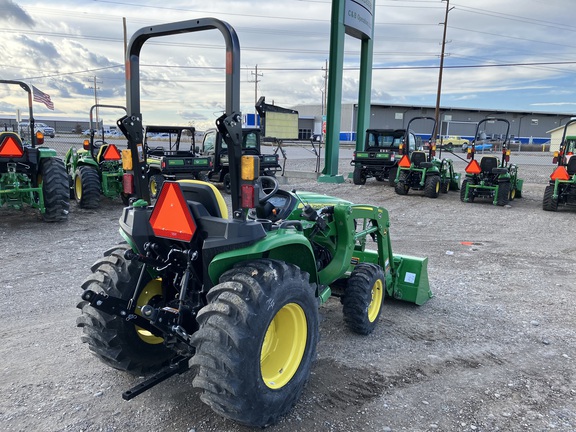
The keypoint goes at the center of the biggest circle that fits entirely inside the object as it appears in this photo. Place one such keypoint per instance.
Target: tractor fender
(44, 152)
(87, 161)
(285, 244)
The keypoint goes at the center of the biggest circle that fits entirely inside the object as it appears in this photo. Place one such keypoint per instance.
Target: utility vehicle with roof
(381, 153)
(215, 146)
(169, 159)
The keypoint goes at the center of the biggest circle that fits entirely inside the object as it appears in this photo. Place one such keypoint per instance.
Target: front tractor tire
(257, 341)
(363, 298)
(155, 185)
(87, 187)
(55, 190)
(115, 341)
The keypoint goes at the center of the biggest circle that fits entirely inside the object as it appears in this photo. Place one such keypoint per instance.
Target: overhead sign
(358, 18)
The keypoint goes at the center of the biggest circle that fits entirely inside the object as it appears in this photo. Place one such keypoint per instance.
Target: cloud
(10, 11)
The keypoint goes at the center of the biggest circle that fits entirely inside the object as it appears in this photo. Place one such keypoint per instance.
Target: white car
(39, 127)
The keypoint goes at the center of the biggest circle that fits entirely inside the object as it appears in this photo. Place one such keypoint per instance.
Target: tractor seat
(488, 163)
(205, 194)
(417, 158)
(571, 166)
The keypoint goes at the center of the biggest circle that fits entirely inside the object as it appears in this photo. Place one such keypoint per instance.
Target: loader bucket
(455, 182)
(411, 282)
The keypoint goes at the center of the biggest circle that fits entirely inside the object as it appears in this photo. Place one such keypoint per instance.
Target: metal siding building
(528, 126)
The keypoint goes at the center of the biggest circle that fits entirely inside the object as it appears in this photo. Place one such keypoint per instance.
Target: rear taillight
(247, 196)
(128, 183)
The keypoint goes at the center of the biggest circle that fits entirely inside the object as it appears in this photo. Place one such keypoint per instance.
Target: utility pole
(325, 69)
(256, 81)
(96, 88)
(437, 128)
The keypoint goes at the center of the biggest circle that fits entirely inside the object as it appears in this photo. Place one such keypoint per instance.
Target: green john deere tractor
(96, 169)
(421, 171)
(234, 299)
(31, 175)
(562, 187)
(494, 179)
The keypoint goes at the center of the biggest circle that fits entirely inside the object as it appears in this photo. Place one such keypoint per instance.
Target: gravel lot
(494, 349)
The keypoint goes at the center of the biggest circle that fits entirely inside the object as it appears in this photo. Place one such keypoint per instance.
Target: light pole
(437, 111)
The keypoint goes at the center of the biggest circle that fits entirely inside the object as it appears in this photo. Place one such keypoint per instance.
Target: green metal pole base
(331, 178)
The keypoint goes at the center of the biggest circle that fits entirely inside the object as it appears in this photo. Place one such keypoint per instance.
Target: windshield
(384, 141)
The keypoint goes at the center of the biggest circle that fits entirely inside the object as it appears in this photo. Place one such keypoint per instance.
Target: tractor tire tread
(228, 343)
(55, 189)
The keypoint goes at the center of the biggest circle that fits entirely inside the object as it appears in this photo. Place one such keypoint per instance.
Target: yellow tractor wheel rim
(376, 302)
(512, 194)
(153, 187)
(437, 187)
(78, 187)
(283, 346)
(151, 290)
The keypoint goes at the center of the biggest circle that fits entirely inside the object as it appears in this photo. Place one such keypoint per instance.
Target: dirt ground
(493, 350)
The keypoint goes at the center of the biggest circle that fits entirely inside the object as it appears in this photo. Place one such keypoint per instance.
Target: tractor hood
(317, 201)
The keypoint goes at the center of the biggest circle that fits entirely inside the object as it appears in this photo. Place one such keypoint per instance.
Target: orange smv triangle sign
(112, 153)
(560, 173)
(171, 217)
(10, 147)
(473, 167)
(404, 162)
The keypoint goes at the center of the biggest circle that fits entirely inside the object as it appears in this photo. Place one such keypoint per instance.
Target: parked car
(39, 127)
(480, 147)
(449, 142)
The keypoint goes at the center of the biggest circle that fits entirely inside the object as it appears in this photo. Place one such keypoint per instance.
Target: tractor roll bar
(26, 88)
(131, 125)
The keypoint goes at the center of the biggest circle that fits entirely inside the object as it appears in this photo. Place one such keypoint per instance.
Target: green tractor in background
(31, 175)
(562, 187)
(234, 299)
(491, 178)
(96, 169)
(421, 170)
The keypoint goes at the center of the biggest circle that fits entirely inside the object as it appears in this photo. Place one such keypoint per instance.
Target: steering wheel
(263, 195)
(99, 143)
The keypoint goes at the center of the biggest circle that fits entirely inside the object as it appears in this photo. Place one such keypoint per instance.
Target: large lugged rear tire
(503, 193)
(55, 190)
(363, 298)
(432, 186)
(401, 187)
(463, 191)
(549, 203)
(256, 342)
(87, 187)
(115, 341)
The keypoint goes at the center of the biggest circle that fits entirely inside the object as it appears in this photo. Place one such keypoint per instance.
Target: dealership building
(525, 126)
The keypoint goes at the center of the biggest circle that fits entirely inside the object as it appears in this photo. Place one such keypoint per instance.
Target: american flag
(40, 96)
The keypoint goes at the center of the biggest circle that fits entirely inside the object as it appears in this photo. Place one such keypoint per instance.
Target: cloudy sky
(500, 54)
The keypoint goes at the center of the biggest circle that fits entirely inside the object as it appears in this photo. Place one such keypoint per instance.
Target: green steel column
(334, 102)
(364, 92)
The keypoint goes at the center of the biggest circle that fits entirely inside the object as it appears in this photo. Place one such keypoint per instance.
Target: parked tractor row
(396, 155)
